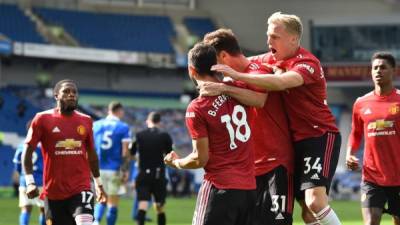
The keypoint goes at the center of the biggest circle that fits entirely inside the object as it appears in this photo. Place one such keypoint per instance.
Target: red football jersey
(272, 143)
(378, 119)
(65, 141)
(225, 123)
(306, 105)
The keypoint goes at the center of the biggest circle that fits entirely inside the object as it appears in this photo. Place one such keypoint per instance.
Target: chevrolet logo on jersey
(380, 125)
(69, 144)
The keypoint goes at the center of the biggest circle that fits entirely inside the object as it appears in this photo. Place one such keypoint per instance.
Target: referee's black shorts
(152, 182)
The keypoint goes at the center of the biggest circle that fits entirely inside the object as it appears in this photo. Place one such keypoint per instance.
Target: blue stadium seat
(9, 119)
(199, 26)
(114, 31)
(6, 164)
(16, 26)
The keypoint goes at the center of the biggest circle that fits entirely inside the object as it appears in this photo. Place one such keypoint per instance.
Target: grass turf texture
(179, 212)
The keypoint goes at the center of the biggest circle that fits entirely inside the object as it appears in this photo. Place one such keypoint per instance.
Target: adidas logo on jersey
(279, 217)
(367, 111)
(56, 130)
(315, 177)
(88, 206)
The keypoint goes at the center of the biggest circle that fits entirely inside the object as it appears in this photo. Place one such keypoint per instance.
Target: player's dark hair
(223, 40)
(385, 56)
(114, 106)
(58, 85)
(154, 117)
(202, 57)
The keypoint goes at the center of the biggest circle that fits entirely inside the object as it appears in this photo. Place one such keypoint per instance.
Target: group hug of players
(261, 129)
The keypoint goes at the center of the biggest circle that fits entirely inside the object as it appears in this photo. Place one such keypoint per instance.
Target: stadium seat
(199, 26)
(16, 25)
(114, 31)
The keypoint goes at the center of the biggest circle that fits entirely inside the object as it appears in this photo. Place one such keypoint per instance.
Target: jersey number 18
(242, 122)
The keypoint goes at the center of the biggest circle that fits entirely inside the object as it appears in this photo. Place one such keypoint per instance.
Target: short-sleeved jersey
(225, 123)
(109, 134)
(306, 105)
(271, 137)
(65, 142)
(377, 118)
(37, 162)
(152, 144)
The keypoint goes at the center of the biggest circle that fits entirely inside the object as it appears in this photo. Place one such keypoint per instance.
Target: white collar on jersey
(112, 117)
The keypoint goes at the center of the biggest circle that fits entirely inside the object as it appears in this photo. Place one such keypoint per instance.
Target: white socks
(327, 217)
(313, 223)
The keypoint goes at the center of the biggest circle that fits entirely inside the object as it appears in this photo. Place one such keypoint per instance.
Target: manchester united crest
(81, 130)
(394, 109)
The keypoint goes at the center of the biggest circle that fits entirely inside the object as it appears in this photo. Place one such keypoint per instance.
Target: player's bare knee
(143, 205)
(372, 217)
(84, 219)
(372, 221)
(27, 209)
(112, 201)
(316, 199)
(159, 207)
(315, 204)
(396, 220)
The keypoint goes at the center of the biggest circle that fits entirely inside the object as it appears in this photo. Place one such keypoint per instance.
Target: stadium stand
(16, 26)
(199, 26)
(6, 165)
(114, 31)
(10, 119)
(14, 114)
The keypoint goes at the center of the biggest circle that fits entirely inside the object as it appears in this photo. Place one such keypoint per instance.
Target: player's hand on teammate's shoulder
(101, 194)
(275, 69)
(169, 159)
(352, 162)
(210, 88)
(32, 191)
(226, 70)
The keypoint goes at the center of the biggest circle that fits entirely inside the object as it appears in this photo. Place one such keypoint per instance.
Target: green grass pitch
(180, 211)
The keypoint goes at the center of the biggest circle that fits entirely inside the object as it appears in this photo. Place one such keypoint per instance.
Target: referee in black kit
(152, 144)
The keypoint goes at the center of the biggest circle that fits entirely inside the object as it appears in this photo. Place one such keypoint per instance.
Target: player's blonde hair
(292, 23)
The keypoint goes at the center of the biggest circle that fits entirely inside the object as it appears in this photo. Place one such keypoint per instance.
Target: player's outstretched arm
(31, 190)
(269, 82)
(94, 167)
(245, 96)
(197, 159)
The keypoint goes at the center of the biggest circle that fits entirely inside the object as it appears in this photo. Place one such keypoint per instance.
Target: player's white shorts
(25, 201)
(112, 182)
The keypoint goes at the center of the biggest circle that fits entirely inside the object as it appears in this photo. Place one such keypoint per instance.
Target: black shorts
(63, 212)
(152, 182)
(376, 196)
(315, 162)
(223, 207)
(274, 203)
